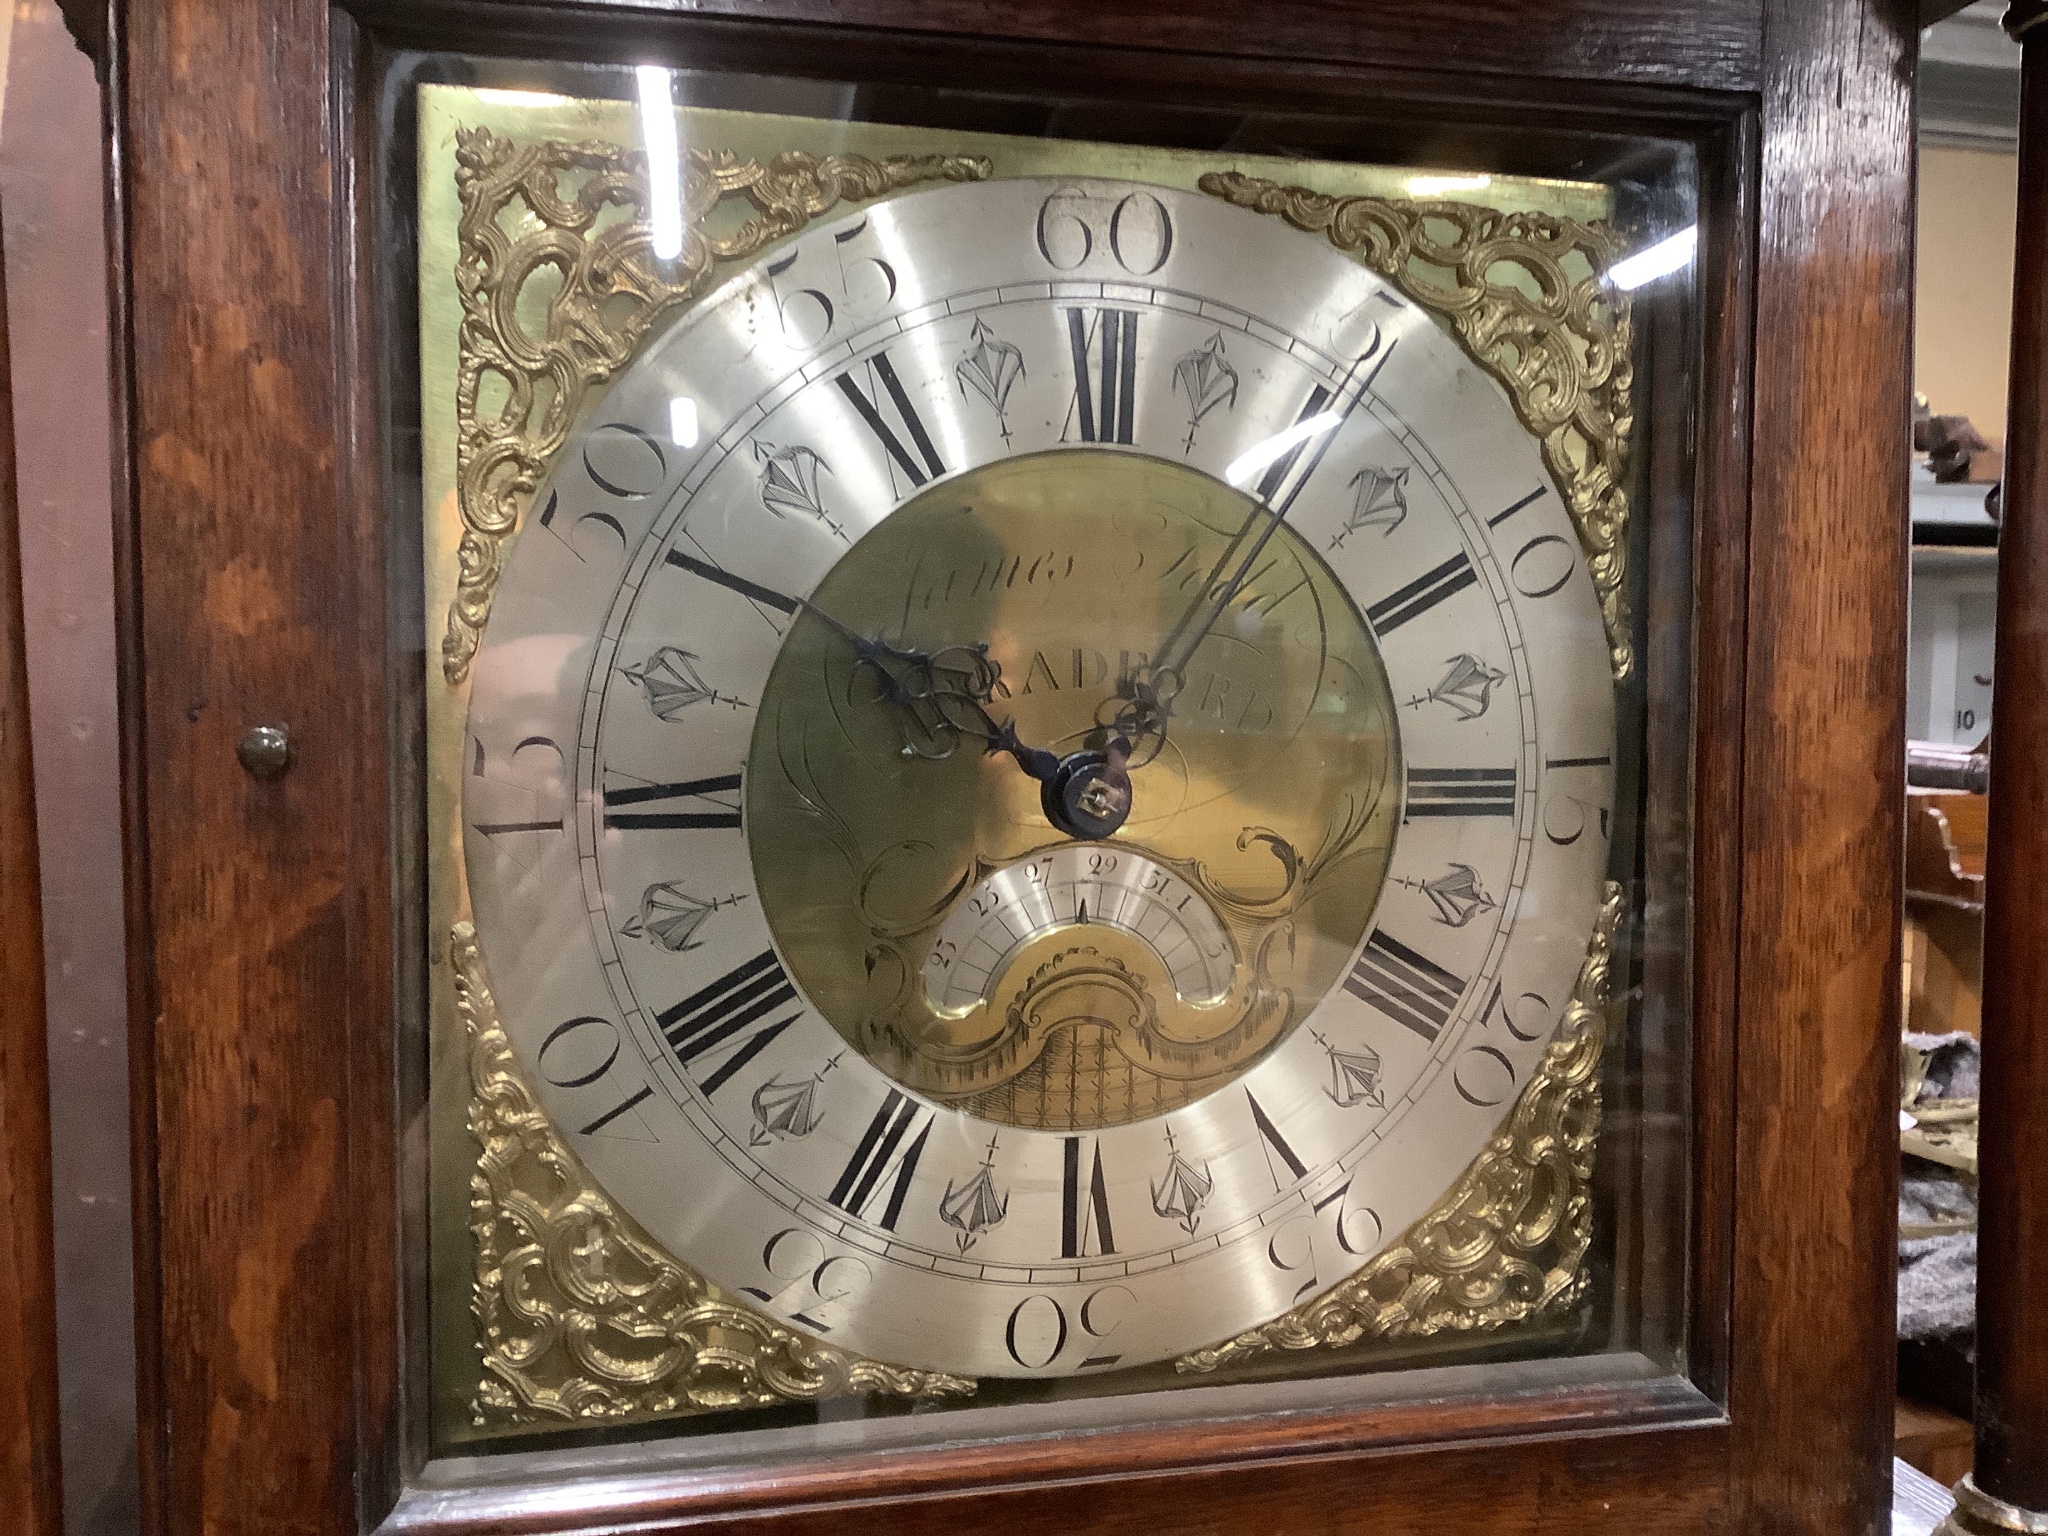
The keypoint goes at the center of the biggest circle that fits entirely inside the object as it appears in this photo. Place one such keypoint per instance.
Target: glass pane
(1054, 755)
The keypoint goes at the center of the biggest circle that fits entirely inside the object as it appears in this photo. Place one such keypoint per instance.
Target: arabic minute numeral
(1135, 230)
(1038, 1329)
(581, 1052)
(812, 1284)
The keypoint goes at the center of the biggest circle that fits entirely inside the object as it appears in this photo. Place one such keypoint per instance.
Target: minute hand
(1276, 456)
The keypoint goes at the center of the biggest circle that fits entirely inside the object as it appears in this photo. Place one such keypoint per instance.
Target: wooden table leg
(2008, 1490)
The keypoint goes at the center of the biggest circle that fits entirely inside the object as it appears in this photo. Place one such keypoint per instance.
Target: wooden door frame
(262, 1020)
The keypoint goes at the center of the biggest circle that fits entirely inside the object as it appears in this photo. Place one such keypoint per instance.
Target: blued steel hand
(944, 695)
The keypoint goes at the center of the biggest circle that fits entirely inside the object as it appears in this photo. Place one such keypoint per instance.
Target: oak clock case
(1030, 774)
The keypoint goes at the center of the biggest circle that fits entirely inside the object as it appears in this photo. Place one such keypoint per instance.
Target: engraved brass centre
(1272, 803)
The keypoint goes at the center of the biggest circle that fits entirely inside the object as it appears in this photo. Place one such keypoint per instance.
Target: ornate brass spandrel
(1507, 1243)
(582, 1317)
(539, 207)
(1559, 341)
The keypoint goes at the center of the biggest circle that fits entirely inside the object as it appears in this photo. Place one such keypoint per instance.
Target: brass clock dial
(1082, 738)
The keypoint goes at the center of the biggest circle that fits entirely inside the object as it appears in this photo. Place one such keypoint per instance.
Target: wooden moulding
(2012, 1223)
(275, 1381)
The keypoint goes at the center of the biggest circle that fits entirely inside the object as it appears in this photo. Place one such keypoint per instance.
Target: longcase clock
(1123, 772)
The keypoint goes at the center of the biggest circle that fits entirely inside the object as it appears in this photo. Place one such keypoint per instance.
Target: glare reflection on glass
(664, 160)
(1245, 467)
(682, 421)
(1659, 260)
(1443, 186)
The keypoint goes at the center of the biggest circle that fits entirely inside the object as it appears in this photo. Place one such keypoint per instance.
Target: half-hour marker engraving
(711, 1017)
(1103, 405)
(1381, 502)
(1466, 687)
(1084, 1205)
(670, 916)
(875, 1156)
(1460, 792)
(1276, 1144)
(1409, 988)
(1457, 894)
(977, 1205)
(726, 814)
(753, 591)
(787, 1111)
(990, 369)
(1578, 762)
(1500, 517)
(672, 682)
(789, 482)
(926, 464)
(1421, 594)
(1354, 1075)
(1205, 376)
(1180, 1192)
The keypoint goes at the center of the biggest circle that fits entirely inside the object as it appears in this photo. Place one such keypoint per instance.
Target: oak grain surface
(29, 1477)
(1817, 1152)
(2012, 1223)
(243, 616)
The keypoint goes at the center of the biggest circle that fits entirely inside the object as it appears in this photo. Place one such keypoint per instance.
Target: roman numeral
(1408, 988)
(710, 1018)
(1460, 792)
(927, 463)
(701, 790)
(1084, 1206)
(860, 1181)
(1104, 406)
(1421, 594)
(1279, 486)
(751, 590)
(1276, 1144)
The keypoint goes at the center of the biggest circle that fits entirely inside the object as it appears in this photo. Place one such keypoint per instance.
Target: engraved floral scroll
(1507, 1243)
(583, 1317)
(1559, 340)
(613, 290)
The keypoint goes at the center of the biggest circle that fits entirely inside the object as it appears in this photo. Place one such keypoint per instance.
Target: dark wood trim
(153, 1422)
(1652, 1482)
(1824, 777)
(1706, 44)
(28, 1301)
(2012, 1222)
(1728, 310)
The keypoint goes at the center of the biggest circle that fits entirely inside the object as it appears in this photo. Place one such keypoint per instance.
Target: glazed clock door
(1043, 780)
(1086, 736)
